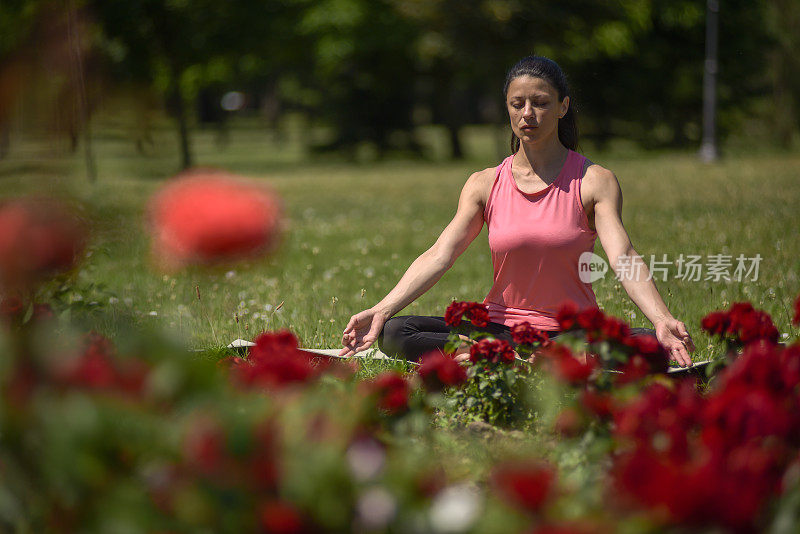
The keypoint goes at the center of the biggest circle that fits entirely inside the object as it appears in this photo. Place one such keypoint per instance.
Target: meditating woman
(544, 206)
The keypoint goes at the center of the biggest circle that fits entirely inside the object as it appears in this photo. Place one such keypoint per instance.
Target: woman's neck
(540, 158)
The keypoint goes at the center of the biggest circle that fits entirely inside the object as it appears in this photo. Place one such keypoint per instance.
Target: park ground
(353, 227)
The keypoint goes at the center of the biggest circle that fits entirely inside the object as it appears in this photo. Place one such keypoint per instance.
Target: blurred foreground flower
(526, 484)
(439, 371)
(274, 362)
(38, 238)
(392, 391)
(207, 216)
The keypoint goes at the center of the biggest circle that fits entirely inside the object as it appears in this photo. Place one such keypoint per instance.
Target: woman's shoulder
(479, 184)
(597, 181)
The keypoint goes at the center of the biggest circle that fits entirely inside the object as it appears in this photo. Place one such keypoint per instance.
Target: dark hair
(549, 71)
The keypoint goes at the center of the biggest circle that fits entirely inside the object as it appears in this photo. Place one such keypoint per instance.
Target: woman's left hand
(672, 334)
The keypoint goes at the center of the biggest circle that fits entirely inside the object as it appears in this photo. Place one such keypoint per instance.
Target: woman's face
(534, 108)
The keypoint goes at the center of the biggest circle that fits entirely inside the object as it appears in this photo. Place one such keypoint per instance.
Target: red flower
(566, 366)
(262, 468)
(575, 370)
(651, 351)
(742, 323)
(275, 361)
(477, 313)
(796, 319)
(525, 484)
(439, 371)
(392, 391)
(634, 369)
(708, 490)
(43, 311)
(281, 517)
(38, 239)
(568, 528)
(598, 404)
(12, 309)
(527, 334)
(716, 323)
(615, 329)
(491, 350)
(738, 414)
(97, 368)
(569, 423)
(209, 216)
(591, 319)
(204, 446)
(567, 315)
(661, 417)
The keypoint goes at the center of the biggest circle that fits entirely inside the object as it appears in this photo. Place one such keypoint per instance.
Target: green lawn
(355, 227)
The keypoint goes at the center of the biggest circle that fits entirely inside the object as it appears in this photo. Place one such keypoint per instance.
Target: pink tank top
(536, 240)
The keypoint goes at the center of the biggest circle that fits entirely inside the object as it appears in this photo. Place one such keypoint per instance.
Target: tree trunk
(178, 108)
(455, 141)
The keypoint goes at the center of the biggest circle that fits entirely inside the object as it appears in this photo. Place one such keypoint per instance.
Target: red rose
(661, 413)
(634, 369)
(566, 366)
(477, 313)
(274, 362)
(568, 528)
(43, 311)
(98, 368)
(491, 350)
(761, 365)
(525, 484)
(651, 350)
(590, 319)
(281, 517)
(738, 311)
(11, 309)
(756, 326)
(204, 446)
(575, 370)
(715, 323)
(567, 315)
(439, 371)
(262, 466)
(454, 312)
(615, 329)
(38, 238)
(527, 334)
(736, 415)
(598, 404)
(742, 323)
(392, 391)
(210, 216)
(569, 423)
(789, 361)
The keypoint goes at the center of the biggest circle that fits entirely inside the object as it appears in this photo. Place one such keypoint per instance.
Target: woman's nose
(527, 111)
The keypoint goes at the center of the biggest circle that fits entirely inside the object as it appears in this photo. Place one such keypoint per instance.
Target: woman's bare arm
(604, 191)
(363, 328)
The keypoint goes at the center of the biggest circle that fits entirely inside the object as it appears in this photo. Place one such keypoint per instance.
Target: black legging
(411, 336)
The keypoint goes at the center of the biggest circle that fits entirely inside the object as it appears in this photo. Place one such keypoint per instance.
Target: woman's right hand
(362, 331)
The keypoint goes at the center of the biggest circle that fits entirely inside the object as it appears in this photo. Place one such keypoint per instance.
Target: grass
(355, 227)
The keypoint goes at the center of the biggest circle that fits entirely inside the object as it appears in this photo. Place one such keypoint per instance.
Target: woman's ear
(564, 107)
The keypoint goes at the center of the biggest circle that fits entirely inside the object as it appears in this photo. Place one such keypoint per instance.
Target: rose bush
(106, 436)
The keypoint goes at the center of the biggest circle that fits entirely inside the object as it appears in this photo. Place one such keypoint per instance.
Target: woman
(544, 206)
